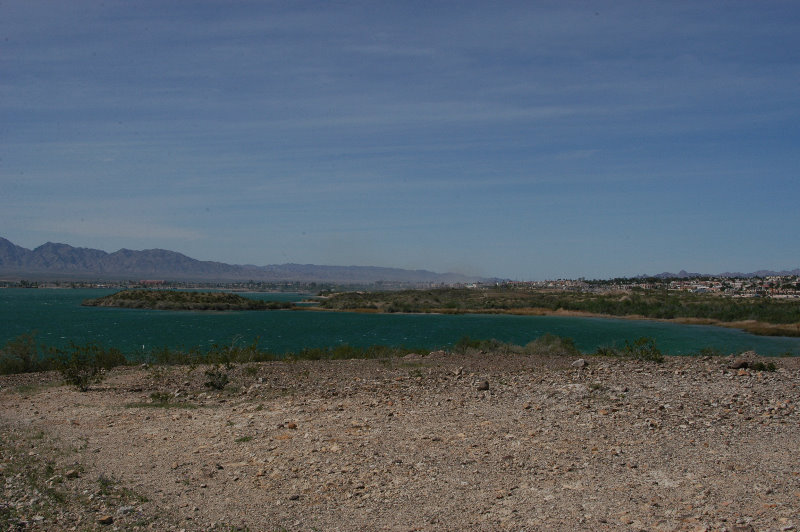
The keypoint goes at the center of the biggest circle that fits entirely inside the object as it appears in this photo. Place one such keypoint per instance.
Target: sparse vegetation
(757, 315)
(217, 378)
(184, 300)
(84, 365)
(643, 348)
(761, 366)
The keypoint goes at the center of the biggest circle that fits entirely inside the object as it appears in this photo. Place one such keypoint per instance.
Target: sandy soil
(408, 444)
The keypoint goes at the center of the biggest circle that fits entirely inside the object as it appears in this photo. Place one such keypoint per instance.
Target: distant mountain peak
(683, 274)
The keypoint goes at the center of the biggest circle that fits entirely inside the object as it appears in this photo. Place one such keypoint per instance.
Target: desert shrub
(761, 366)
(550, 344)
(110, 358)
(606, 351)
(80, 366)
(217, 377)
(169, 357)
(465, 343)
(710, 352)
(643, 348)
(22, 355)
(161, 398)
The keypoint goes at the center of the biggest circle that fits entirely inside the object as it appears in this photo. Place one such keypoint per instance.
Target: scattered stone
(580, 363)
(738, 364)
(72, 473)
(105, 520)
(541, 451)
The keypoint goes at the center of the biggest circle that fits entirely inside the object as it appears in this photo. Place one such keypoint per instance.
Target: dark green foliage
(761, 366)
(710, 352)
(169, 357)
(660, 304)
(161, 398)
(23, 354)
(553, 345)
(466, 343)
(643, 348)
(81, 365)
(217, 378)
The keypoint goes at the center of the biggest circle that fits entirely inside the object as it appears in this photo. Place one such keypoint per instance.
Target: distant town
(774, 286)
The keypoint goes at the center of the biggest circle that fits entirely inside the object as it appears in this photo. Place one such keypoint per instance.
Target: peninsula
(764, 316)
(179, 300)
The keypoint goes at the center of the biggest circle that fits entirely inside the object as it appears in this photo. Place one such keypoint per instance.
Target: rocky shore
(485, 441)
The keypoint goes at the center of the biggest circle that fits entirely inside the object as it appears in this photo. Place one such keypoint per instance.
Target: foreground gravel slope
(409, 444)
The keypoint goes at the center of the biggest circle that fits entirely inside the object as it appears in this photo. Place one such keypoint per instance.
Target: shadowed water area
(58, 318)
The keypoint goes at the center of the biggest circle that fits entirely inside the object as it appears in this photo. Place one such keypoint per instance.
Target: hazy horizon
(519, 140)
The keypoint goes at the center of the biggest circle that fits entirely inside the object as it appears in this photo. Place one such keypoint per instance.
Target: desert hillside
(437, 442)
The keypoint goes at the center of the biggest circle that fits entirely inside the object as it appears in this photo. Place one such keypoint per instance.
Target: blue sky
(528, 140)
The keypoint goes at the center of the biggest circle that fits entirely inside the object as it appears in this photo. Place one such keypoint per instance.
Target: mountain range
(64, 261)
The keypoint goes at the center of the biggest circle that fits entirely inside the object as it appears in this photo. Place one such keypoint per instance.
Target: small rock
(738, 364)
(125, 510)
(291, 425)
(105, 520)
(580, 363)
(482, 385)
(294, 497)
(72, 473)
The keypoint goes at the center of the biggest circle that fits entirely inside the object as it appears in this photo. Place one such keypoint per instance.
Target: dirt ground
(434, 442)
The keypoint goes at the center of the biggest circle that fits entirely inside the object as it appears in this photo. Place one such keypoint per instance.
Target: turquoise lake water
(58, 318)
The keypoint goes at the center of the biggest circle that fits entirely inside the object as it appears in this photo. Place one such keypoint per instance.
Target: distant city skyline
(519, 140)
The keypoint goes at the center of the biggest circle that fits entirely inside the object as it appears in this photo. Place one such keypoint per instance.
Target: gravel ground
(436, 442)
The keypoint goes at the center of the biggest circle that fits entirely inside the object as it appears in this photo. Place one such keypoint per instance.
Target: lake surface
(58, 318)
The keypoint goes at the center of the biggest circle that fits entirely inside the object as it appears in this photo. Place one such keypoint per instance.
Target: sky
(525, 140)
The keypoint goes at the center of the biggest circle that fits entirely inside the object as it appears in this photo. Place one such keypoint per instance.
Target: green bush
(643, 348)
(760, 366)
(710, 352)
(550, 344)
(80, 366)
(217, 378)
(21, 355)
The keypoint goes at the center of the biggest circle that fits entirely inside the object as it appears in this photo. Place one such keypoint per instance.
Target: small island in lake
(178, 300)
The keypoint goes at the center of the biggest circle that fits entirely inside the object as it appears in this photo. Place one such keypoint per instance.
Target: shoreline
(758, 328)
